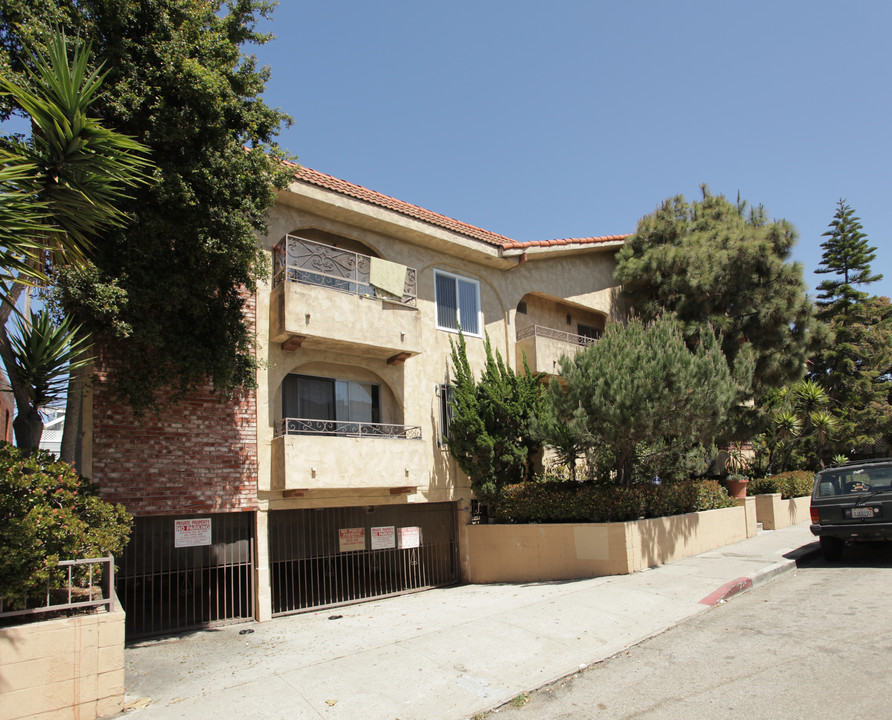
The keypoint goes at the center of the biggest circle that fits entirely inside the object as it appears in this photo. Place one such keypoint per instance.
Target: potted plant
(736, 485)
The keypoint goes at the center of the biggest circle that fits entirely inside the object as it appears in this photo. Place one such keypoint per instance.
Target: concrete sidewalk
(447, 653)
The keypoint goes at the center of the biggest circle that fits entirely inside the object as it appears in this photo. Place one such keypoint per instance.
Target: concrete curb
(725, 592)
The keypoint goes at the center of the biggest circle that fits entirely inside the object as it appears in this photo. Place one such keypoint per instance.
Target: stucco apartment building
(332, 482)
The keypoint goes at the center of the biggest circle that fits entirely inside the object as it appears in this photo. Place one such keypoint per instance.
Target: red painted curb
(727, 590)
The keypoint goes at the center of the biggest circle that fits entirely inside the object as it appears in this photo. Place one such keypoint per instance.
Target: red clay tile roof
(327, 182)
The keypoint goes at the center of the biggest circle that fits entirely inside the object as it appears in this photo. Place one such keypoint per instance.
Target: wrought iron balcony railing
(296, 259)
(340, 428)
(540, 331)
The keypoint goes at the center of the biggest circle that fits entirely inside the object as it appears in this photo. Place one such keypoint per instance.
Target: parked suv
(852, 502)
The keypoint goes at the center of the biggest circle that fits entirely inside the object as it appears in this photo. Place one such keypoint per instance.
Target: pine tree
(848, 256)
(717, 265)
(490, 432)
(853, 365)
(640, 389)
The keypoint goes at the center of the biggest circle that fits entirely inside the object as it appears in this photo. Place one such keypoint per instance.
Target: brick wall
(197, 455)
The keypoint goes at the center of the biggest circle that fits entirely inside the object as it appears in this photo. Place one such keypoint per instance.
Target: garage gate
(334, 556)
(185, 572)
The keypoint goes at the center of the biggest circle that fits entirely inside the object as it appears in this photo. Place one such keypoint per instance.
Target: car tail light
(815, 515)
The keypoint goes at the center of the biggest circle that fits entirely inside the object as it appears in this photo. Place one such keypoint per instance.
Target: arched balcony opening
(548, 328)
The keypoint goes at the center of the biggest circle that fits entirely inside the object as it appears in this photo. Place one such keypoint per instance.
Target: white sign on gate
(192, 533)
(409, 537)
(383, 538)
(350, 539)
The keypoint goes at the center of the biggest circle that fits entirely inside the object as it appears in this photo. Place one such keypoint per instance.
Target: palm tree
(57, 189)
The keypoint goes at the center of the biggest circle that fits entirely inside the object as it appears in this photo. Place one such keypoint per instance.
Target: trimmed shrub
(49, 513)
(552, 502)
(794, 483)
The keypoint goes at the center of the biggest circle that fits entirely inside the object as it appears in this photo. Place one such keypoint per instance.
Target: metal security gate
(166, 589)
(333, 556)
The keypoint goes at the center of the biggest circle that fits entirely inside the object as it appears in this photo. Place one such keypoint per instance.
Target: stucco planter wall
(775, 513)
(63, 668)
(566, 551)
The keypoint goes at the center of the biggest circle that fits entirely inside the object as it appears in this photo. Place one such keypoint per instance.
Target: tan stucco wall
(775, 513)
(360, 335)
(565, 551)
(63, 668)
(585, 280)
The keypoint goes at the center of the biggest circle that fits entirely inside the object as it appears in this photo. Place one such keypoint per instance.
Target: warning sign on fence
(383, 538)
(351, 539)
(192, 533)
(410, 537)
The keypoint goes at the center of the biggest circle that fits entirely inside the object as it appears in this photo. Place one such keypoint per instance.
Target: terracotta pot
(736, 488)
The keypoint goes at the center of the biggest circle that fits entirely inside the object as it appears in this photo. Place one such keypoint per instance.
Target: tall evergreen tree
(847, 255)
(183, 269)
(724, 268)
(854, 362)
(490, 432)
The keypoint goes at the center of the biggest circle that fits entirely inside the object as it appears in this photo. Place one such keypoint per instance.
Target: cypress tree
(490, 432)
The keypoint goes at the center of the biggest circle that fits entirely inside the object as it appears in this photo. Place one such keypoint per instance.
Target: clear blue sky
(572, 118)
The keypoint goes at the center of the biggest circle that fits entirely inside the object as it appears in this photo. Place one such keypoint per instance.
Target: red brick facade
(198, 455)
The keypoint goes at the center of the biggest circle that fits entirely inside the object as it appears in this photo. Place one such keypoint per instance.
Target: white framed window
(458, 303)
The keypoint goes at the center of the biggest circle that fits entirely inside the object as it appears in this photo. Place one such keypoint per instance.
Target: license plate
(862, 512)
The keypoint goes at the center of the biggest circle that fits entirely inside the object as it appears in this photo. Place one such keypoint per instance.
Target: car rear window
(848, 481)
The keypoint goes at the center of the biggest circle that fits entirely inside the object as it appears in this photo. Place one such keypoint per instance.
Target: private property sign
(410, 537)
(383, 538)
(351, 539)
(192, 533)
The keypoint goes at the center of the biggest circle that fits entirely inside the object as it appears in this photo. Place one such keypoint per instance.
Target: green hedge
(555, 502)
(49, 513)
(794, 483)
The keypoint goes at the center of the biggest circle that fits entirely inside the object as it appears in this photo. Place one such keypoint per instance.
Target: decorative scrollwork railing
(540, 331)
(340, 428)
(296, 259)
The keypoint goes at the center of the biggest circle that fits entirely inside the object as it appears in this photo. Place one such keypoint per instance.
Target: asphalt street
(814, 643)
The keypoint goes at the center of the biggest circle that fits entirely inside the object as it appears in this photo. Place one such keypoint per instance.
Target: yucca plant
(72, 170)
(44, 353)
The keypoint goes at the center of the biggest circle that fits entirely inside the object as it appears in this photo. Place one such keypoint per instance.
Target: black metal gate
(165, 588)
(333, 556)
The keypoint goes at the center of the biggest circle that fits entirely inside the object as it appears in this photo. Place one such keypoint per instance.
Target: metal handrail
(340, 428)
(296, 259)
(541, 331)
(108, 601)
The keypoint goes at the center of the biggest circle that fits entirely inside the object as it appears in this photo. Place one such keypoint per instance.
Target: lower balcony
(544, 347)
(333, 455)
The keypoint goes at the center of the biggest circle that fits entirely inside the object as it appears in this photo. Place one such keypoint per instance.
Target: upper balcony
(330, 455)
(329, 298)
(544, 346)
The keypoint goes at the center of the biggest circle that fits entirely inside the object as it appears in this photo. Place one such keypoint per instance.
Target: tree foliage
(800, 429)
(640, 394)
(490, 432)
(847, 256)
(854, 363)
(48, 513)
(719, 266)
(63, 185)
(179, 83)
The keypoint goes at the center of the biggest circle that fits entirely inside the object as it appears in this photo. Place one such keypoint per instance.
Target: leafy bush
(49, 513)
(549, 502)
(794, 483)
